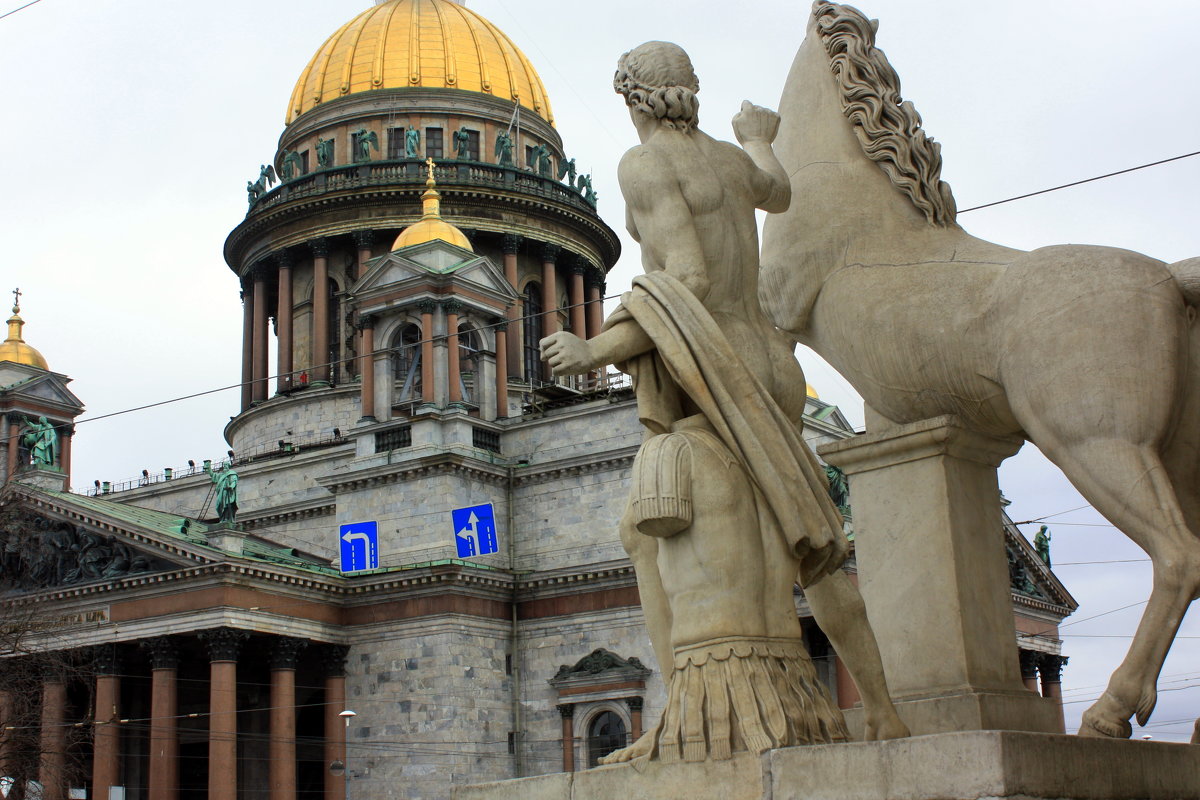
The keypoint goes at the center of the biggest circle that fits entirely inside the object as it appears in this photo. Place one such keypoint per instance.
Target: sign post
(475, 530)
(359, 546)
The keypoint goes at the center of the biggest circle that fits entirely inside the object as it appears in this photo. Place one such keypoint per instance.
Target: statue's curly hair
(657, 78)
(887, 127)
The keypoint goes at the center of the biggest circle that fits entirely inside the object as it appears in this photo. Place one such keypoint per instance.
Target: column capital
(364, 321)
(1029, 663)
(550, 252)
(319, 247)
(635, 703)
(260, 271)
(333, 659)
(427, 306)
(1050, 666)
(283, 259)
(223, 643)
(500, 326)
(453, 306)
(566, 710)
(285, 650)
(594, 277)
(512, 243)
(163, 650)
(106, 659)
(364, 239)
(579, 265)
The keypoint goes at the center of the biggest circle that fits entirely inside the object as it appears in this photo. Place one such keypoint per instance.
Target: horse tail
(1187, 275)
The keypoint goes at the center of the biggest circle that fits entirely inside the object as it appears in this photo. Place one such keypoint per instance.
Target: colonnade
(162, 773)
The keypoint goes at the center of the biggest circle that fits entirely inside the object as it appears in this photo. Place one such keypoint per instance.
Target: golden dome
(14, 348)
(431, 226)
(419, 43)
(810, 391)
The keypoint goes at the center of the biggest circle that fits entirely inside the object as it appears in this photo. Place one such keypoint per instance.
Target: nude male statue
(729, 506)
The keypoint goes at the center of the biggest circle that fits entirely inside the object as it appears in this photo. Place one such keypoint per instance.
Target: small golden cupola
(431, 226)
(14, 348)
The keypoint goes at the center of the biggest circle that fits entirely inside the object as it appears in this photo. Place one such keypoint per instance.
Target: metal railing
(281, 449)
(449, 174)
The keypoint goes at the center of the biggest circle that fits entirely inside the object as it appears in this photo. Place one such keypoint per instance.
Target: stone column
(567, 712)
(635, 717)
(333, 658)
(282, 750)
(501, 370)
(1029, 668)
(66, 433)
(14, 447)
(283, 323)
(52, 766)
(512, 244)
(247, 344)
(223, 646)
(259, 392)
(164, 708)
(578, 311)
(366, 327)
(428, 393)
(549, 289)
(106, 737)
(933, 572)
(595, 302)
(8, 711)
(453, 366)
(1050, 666)
(365, 241)
(320, 310)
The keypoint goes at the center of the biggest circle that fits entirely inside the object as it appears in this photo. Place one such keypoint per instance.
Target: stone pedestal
(929, 544)
(48, 478)
(974, 765)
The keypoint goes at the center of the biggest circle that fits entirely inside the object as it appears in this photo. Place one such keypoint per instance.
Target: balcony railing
(412, 172)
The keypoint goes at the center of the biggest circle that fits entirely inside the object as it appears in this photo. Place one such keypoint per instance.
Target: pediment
(1028, 575)
(52, 540)
(433, 264)
(41, 388)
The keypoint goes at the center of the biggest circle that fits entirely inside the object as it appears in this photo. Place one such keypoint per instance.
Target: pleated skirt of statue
(738, 693)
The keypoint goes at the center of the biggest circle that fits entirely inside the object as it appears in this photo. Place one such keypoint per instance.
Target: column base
(974, 765)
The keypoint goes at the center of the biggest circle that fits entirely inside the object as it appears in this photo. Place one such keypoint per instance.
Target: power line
(1078, 183)
(15, 10)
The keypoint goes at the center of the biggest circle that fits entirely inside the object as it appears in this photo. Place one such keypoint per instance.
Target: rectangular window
(393, 439)
(433, 143)
(304, 163)
(529, 156)
(395, 143)
(485, 439)
(472, 145)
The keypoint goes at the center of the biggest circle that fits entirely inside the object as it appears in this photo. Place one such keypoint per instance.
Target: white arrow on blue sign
(475, 530)
(360, 546)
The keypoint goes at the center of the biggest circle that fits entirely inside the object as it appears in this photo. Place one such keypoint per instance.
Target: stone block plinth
(929, 543)
(973, 765)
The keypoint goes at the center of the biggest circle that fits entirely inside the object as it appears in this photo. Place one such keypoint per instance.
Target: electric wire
(19, 8)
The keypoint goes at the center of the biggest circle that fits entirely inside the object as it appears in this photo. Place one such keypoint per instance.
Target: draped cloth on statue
(693, 357)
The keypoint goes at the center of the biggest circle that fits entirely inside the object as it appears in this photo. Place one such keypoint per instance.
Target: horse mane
(888, 127)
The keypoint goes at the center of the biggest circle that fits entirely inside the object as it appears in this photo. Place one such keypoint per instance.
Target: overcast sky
(132, 126)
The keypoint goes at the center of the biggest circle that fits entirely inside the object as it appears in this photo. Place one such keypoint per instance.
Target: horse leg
(1127, 483)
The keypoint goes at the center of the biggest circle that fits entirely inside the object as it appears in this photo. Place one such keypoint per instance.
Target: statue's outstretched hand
(755, 124)
(567, 354)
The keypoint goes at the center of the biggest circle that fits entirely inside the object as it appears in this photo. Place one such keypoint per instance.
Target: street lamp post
(339, 767)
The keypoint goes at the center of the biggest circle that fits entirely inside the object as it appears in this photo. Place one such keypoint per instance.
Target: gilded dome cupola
(402, 44)
(14, 347)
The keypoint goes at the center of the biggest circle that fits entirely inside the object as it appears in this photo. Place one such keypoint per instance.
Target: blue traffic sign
(475, 530)
(360, 546)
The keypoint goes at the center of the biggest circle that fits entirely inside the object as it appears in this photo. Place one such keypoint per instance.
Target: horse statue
(1091, 353)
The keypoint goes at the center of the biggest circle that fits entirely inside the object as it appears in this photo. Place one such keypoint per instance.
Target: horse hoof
(1093, 725)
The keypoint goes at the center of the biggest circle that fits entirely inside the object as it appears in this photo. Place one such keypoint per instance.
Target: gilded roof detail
(425, 43)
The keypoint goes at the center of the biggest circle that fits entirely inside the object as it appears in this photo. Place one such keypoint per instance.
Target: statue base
(971, 765)
(52, 479)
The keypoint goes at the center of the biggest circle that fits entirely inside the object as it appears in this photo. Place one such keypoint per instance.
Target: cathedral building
(405, 574)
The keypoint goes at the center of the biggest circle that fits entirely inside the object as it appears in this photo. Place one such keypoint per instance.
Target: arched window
(406, 364)
(606, 733)
(533, 332)
(468, 363)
